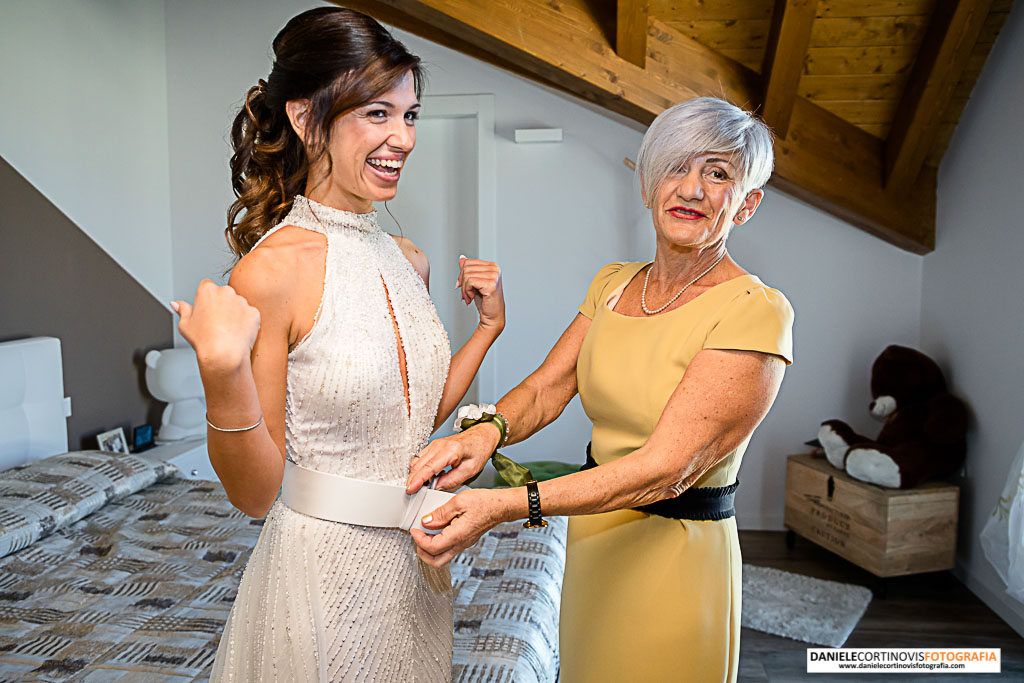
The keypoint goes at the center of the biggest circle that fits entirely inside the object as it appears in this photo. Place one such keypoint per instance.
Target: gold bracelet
(239, 429)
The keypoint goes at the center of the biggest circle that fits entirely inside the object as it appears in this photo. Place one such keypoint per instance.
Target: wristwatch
(533, 499)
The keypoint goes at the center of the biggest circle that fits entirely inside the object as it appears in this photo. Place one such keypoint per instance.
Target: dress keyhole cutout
(402, 369)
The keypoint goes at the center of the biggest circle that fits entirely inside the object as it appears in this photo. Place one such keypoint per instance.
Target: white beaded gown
(324, 601)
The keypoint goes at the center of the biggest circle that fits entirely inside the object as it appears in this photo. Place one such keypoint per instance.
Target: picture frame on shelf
(113, 441)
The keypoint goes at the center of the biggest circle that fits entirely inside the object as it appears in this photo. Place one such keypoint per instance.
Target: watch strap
(535, 520)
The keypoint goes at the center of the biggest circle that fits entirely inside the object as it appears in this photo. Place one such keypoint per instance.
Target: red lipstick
(685, 213)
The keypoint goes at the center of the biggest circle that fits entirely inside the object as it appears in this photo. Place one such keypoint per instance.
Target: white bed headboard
(33, 409)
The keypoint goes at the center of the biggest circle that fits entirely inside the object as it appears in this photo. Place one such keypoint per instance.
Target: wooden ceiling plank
(784, 55)
(874, 8)
(886, 59)
(717, 10)
(826, 161)
(879, 130)
(405, 22)
(853, 86)
(941, 61)
(567, 53)
(701, 70)
(750, 57)
(631, 31)
(725, 34)
(868, 31)
(861, 111)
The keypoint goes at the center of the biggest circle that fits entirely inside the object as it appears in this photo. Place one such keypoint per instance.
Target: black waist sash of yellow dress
(710, 503)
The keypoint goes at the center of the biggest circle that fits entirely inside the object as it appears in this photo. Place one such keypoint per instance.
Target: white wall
(853, 295)
(973, 297)
(85, 120)
(216, 51)
(564, 210)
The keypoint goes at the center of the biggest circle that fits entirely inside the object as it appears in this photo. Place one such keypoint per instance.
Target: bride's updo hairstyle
(336, 58)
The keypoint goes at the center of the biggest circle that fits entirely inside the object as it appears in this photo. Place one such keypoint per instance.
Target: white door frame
(481, 108)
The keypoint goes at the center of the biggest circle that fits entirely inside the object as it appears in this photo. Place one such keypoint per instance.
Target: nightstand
(190, 457)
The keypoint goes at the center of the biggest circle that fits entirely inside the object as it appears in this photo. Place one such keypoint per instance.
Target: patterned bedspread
(139, 590)
(507, 593)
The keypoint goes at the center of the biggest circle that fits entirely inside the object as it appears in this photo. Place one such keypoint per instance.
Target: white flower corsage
(474, 413)
(511, 472)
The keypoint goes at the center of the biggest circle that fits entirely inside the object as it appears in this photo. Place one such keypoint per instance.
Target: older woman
(676, 362)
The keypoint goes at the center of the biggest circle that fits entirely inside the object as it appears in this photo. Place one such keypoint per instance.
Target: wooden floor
(927, 610)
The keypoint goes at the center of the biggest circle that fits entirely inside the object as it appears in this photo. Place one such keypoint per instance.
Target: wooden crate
(889, 532)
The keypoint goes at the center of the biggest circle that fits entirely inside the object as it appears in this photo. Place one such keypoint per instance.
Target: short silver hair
(699, 126)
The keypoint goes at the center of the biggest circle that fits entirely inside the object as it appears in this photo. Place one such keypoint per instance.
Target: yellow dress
(647, 598)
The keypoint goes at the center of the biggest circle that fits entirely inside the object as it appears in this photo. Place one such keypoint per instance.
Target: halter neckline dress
(325, 601)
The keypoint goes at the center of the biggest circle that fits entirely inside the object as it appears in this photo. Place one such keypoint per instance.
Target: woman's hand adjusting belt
(355, 501)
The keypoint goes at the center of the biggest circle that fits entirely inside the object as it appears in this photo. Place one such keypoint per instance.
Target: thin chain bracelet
(238, 429)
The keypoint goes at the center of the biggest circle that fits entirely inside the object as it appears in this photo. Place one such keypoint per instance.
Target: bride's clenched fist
(480, 281)
(220, 325)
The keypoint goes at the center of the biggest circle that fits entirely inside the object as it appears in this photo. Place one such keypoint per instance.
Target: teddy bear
(172, 375)
(925, 431)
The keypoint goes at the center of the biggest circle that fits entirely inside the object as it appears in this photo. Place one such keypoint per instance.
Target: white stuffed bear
(172, 375)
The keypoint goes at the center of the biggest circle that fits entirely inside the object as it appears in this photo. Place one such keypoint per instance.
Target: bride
(326, 367)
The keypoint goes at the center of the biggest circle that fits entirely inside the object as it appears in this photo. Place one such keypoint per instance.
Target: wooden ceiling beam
(683, 68)
(788, 38)
(824, 160)
(838, 167)
(398, 19)
(559, 43)
(631, 31)
(944, 54)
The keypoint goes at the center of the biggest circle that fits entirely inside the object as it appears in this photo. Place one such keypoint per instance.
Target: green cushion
(543, 470)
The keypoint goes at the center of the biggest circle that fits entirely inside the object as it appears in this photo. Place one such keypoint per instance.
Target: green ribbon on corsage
(511, 472)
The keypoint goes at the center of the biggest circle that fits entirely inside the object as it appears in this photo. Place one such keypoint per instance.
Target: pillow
(49, 494)
(542, 470)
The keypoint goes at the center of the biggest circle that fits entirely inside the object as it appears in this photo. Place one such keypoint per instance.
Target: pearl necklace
(643, 295)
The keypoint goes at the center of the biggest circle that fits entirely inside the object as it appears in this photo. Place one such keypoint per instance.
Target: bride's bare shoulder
(281, 263)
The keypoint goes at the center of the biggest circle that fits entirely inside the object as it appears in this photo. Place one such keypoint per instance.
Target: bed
(116, 567)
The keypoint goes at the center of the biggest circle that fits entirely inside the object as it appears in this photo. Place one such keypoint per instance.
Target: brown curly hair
(336, 58)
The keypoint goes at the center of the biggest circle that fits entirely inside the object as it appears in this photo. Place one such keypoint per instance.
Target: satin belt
(354, 501)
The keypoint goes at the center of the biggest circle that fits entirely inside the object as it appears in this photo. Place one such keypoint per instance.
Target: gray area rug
(801, 607)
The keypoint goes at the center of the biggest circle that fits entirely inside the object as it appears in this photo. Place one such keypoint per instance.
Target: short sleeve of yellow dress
(646, 597)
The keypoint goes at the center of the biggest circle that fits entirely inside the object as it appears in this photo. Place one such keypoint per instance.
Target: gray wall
(55, 281)
(84, 118)
(853, 295)
(972, 313)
